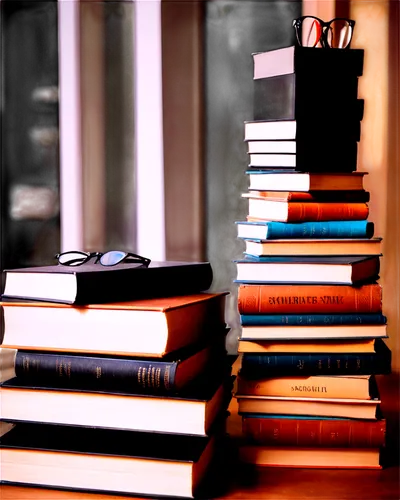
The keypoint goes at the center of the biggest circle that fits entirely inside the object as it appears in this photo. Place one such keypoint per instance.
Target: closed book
(265, 180)
(340, 270)
(292, 211)
(285, 364)
(314, 247)
(169, 375)
(150, 328)
(307, 346)
(335, 407)
(309, 299)
(314, 196)
(271, 230)
(291, 97)
(322, 387)
(318, 432)
(307, 61)
(312, 319)
(260, 130)
(311, 457)
(277, 147)
(101, 460)
(94, 283)
(192, 412)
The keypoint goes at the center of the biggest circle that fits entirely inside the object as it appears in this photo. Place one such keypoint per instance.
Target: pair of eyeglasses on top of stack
(111, 258)
(313, 32)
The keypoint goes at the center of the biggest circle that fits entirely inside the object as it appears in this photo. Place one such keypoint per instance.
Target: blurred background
(122, 127)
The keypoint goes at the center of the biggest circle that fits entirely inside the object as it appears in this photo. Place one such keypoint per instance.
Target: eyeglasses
(313, 32)
(111, 258)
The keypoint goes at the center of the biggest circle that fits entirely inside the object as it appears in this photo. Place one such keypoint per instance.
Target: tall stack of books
(308, 298)
(114, 378)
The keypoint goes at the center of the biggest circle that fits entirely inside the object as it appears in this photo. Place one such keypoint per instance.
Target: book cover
(312, 319)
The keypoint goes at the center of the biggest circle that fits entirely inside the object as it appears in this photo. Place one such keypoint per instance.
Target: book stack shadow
(309, 297)
(126, 396)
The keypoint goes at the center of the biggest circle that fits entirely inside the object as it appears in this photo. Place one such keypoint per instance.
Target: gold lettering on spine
(167, 374)
(98, 371)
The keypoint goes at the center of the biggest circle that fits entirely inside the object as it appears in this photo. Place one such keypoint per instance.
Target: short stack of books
(114, 378)
(308, 298)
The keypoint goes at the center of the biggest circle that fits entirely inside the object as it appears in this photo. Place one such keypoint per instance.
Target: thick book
(320, 246)
(151, 327)
(309, 299)
(310, 457)
(169, 375)
(335, 269)
(307, 346)
(94, 283)
(314, 196)
(287, 364)
(307, 61)
(277, 430)
(292, 211)
(290, 130)
(191, 412)
(271, 230)
(323, 387)
(322, 407)
(264, 180)
(308, 158)
(292, 97)
(101, 460)
(312, 319)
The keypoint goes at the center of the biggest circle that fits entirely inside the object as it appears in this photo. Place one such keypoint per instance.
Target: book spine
(94, 373)
(304, 299)
(311, 319)
(313, 230)
(302, 364)
(299, 212)
(325, 432)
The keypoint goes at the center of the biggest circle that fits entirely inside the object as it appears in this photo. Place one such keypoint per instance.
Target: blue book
(312, 319)
(268, 230)
(301, 364)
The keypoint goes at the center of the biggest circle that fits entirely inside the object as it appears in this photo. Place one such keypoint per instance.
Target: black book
(94, 283)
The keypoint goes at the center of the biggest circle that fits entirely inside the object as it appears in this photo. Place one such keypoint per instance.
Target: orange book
(303, 299)
(286, 211)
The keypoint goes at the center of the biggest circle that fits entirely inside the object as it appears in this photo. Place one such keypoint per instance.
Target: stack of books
(308, 297)
(113, 379)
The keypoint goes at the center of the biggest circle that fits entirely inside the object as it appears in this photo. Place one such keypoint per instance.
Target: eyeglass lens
(338, 33)
(112, 258)
(73, 258)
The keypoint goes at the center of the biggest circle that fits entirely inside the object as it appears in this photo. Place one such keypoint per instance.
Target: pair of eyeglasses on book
(313, 32)
(111, 258)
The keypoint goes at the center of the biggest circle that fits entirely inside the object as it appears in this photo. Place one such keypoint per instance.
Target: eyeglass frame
(98, 255)
(323, 39)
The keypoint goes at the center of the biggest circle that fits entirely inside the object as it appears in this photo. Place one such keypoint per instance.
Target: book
(101, 460)
(306, 332)
(307, 346)
(319, 246)
(335, 269)
(279, 130)
(319, 458)
(312, 319)
(306, 61)
(150, 327)
(279, 405)
(341, 387)
(191, 412)
(169, 375)
(291, 211)
(94, 283)
(314, 196)
(271, 147)
(309, 299)
(270, 230)
(265, 180)
(299, 431)
(291, 97)
(257, 366)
